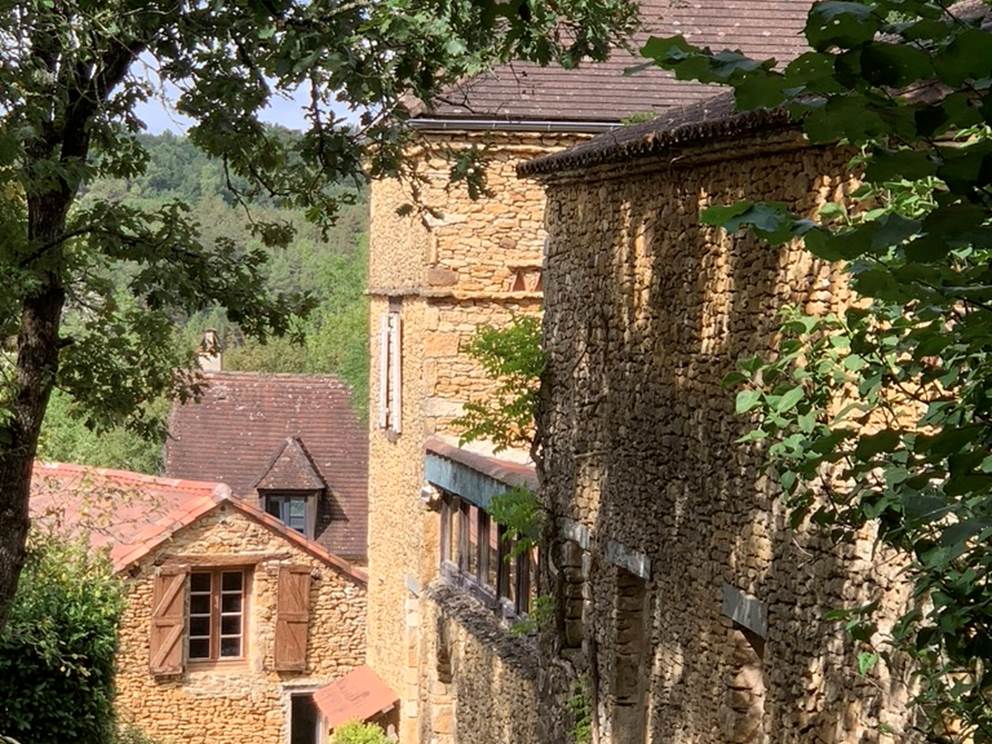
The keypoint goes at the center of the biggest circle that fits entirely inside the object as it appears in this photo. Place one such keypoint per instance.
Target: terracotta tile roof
(711, 120)
(505, 471)
(237, 434)
(131, 514)
(359, 696)
(601, 92)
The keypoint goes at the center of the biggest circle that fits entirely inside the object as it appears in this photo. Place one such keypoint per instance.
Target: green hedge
(57, 649)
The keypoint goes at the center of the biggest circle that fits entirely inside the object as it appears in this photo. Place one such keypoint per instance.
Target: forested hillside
(333, 339)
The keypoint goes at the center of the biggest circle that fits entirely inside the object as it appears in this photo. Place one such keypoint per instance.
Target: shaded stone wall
(237, 702)
(476, 263)
(645, 312)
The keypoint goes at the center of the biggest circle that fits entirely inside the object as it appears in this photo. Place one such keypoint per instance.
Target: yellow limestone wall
(477, 263)
(246, 702)
(645, 312)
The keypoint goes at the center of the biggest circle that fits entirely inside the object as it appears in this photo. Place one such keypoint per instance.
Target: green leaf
(866, 662)
(894, 65)
(968, 56)
(747, 400)
(873, 444)
(789, 399)
(910, 165)
(843, 24)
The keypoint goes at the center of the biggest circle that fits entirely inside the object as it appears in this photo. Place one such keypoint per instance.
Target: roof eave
(448, 124)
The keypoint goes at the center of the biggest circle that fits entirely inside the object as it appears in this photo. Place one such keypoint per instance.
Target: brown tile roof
(601, 92)
(711, 120)
(358, 696)
(291, 469)
(237, 432)
(131, 514)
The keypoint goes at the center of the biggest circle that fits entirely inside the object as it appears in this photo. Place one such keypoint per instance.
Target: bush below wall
(58, 646)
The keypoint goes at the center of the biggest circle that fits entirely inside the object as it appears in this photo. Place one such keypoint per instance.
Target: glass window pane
(452, 529)
(510, 567)
(199, 626)
(199, 648)
(199, 604)
(473, 540)
(230, 646)
(199, 582)
(230, 603)
(297, 507)
(230, 625)
(493, 548)
(272, 506)
(231, 581)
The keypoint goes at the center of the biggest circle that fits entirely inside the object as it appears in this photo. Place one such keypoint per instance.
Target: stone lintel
(620, 555)
(576, 532)
(745, 610)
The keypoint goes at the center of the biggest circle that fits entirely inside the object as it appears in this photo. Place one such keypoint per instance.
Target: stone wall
(665, 526)
(243, 702)
(474, 263)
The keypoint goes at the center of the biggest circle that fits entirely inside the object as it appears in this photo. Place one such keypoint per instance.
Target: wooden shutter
(384, 372)
(292, 618)
(395, 373)
(168, 621)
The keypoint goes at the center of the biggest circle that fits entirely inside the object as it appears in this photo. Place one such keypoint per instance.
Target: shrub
(360, 733)
(57, 648)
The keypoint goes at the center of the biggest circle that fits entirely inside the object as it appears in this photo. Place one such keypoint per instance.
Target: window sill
(218, 665)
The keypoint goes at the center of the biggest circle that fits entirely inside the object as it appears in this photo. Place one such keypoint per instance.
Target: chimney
(209, 355)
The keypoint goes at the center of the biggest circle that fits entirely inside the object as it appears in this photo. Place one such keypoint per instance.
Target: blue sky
(159, 115)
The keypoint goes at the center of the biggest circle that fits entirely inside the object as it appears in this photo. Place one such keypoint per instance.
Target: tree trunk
(34, 376)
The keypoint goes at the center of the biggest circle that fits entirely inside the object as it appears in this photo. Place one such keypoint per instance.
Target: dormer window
(290, 487)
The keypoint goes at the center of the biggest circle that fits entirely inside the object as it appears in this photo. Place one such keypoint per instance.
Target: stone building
(233, 620)
(685, 603)
(443, 597)
(293, 444)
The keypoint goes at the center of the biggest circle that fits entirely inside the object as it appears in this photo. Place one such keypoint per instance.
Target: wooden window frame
(390, 391)
(455, 516)
(216, 615)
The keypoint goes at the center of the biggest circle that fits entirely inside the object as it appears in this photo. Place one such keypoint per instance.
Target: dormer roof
(290, 469)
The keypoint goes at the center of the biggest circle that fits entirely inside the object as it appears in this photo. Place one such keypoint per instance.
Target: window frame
(215, 634)
(309, 499)
(516, 577)
(391, 372)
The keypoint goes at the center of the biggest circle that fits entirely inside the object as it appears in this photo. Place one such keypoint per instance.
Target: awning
(360, 695)
(471, 476)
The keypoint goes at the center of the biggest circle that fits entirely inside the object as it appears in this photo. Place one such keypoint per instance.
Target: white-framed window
(391, 372)
(296, 510)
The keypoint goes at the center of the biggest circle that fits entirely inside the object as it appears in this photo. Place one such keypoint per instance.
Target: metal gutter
(517, 125)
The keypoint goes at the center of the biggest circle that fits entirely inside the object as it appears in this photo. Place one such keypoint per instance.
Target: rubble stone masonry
(236, 702)
(692, 610)
(475, 263)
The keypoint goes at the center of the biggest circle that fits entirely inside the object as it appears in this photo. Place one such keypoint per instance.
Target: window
(477, 552)
(390, 372)
(291, 510)
(296, 510)
(216, 614)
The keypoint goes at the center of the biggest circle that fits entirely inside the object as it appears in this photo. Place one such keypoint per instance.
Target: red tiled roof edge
(511, 473)
(222, 495)
(315, 549)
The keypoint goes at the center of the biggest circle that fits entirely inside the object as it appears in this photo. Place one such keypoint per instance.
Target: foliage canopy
(882, 416)
(70, 79)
